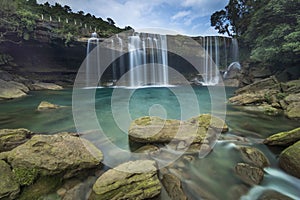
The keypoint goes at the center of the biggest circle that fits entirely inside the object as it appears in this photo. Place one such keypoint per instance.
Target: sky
(188, 17)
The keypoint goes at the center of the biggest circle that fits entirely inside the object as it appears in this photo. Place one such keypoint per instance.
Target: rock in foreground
(48, 155)
(9, 188)
(131, 180)
(285, 138)
(289, 160)
(11, 138)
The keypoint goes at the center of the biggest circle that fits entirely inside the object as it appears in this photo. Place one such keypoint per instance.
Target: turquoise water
(115, 108)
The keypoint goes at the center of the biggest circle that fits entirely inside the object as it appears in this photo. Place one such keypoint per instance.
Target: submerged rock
(12, 89)
(273, 195)
(289, 160)
(9, 188)
(285, 138)
(46, 86)
(11, 138)
(173, 186)
(52, 154)
(249, 174)
(44, 105)
(254, 156)
(131, 180)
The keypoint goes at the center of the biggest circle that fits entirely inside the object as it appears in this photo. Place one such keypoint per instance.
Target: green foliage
(23, 17)
(268, 30)
(25, 176)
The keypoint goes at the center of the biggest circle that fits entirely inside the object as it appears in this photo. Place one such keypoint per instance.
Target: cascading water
(92, 63)
(235, 58)
(148, 60)
(213, 58)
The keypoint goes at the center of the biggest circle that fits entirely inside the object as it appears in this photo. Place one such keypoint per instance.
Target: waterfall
(122, 67)
(235, 57)
(92, 63)
(114, 73)
(148, 60)
(212, 58)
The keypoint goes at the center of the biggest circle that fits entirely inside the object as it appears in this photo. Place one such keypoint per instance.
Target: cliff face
(42, 55)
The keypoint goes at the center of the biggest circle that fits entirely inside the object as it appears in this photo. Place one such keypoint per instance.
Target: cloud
(180, 14)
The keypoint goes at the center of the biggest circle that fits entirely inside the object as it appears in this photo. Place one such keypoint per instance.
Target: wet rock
(267, 83)
(265, 108)
(273, 195)
(44, 105)
(46, 86)
(131, 180)
(249, 174)
(9, 188)
(80, 191)
(208, 121)
(289, 160)
(254, 156)
(43, 186)
(11, 138)
(156, 130)
(52, 154)
(293, 110)
(12, 89)
(285, 138)
(236, 191)
(173, 186)
(148, 149)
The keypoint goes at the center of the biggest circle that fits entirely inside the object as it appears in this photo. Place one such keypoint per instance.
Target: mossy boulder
(150, 129)
(254, 156)
(9, 188)
(208, 121)
(53, 154)
(11, 138)
(289, 160)
(285, 138)
(131, 180)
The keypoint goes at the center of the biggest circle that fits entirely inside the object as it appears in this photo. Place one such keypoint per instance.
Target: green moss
(25, 176)
(143, 121)
(43, 186)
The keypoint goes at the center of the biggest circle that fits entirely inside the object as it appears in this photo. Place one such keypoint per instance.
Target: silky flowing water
(212, 176)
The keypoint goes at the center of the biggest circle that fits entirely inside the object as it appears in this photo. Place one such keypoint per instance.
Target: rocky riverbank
(65, 166)
(270, 97)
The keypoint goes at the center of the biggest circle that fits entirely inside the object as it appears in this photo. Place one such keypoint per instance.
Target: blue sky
(189, 17)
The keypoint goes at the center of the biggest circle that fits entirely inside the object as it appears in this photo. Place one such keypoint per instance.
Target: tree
(67, 9)
(110, 21)
(221, 23)
(80, 12)
(235, 18)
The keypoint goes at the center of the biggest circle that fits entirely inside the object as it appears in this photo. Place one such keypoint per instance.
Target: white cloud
(180, 14)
